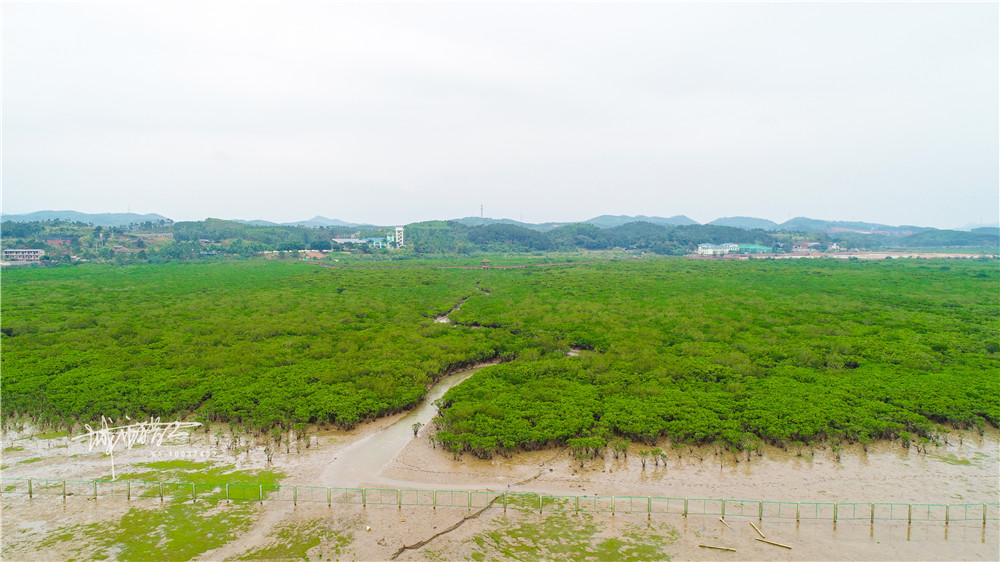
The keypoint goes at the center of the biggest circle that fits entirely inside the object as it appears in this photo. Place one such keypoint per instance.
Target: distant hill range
(608, 221)
(977, 226)
(603, 221)
(315, 222)
(804, 224)
(746, 223)
(797, 224)
(480, 221)
(99, 219)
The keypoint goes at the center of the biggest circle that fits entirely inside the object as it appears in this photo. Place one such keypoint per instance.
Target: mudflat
(965, 470)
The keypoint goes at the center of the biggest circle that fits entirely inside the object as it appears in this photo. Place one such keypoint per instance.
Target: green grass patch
(177, 530)
(951, 458)
(31, 460)
(12, 448)
(51, 435)
(295, 540)
(571, 537)
(191, 472)
(523, 502)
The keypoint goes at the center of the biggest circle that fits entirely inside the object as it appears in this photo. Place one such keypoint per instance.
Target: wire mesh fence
(780, 510)
(473, 499)
(673, 506)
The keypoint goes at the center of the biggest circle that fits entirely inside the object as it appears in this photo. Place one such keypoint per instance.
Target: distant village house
(396, 237)
(373, 242)
(730, 248)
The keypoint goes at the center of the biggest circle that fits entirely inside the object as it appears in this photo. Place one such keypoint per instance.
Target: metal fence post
(227, 492)
(984, 515)
(947, 510)
(29, 489)
(873, 514)
(469, 494)
(128, 490)
(295, 495)
(329, 498)
(161, 491)
(364, 498)
(760, 511)
(95, 488)
(540, 504)
(612, 505)
(649, 508)
(434, 498)
(685, 514)
(505, 505)
(260, 494)
(64, 491)
(909, 514)
(797, 505)
(723, 509)
(834, 513)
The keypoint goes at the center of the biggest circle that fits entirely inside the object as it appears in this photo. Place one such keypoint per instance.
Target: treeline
(163, 241)
(277, 237)
(452, 237)
(982, 237)
(985, 238)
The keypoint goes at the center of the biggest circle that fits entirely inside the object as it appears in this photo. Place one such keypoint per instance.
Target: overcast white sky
(399, 112)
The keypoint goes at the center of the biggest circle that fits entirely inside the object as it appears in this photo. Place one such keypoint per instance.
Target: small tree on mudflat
(657, 453)
(301, 430)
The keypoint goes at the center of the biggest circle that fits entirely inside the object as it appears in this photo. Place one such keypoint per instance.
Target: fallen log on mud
(774, 543)
(717, 547)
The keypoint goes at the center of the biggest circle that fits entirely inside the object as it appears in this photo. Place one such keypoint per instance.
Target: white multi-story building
(399, 237)
(23, 255)
(713, 250)
(731, 248)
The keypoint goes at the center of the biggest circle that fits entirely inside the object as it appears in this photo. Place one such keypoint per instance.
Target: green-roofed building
(754, 249)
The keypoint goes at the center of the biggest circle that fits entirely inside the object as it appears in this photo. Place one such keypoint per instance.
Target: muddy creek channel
(364, 460)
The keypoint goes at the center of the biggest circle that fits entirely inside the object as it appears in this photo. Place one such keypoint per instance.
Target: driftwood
(717, 547)
(775, 543)
(755, 528)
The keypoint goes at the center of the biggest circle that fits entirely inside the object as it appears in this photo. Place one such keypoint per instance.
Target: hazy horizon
(398, 113)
